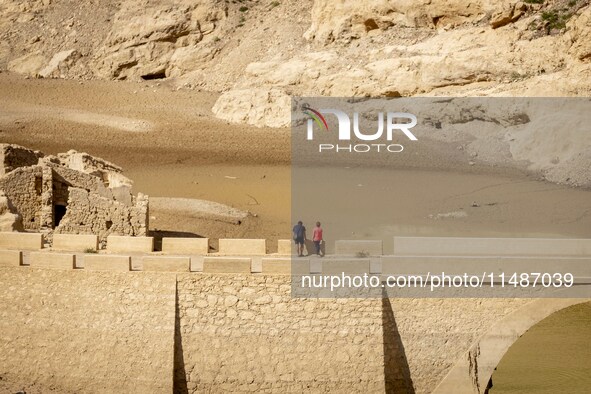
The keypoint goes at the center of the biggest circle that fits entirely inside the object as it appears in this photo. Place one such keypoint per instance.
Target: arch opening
(488, 350)
(552, 356)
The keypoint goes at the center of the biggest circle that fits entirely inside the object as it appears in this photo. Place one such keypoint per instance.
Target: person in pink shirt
(317, 237)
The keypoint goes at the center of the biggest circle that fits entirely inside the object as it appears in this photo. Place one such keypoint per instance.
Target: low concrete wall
(284, 246)
(190, 246)
(256, 264)
(302, 267)
(64, 261)
(197, 263)
(310, 248)
(346, 266)
(11, 258)
(21, 241)
(227, 265)
(271, 265)
(123, 244)
(107, 262)
(242, 246)
(448, 246)
(580, 267)
(219, 264)
(166, 263)
(354, 247)
(75, 242)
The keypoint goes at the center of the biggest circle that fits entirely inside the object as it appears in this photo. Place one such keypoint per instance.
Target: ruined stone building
(69, 193)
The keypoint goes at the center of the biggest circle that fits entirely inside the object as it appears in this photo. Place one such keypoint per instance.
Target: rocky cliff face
(401, 48)
(352, 19)
(257, 52)
(149, 39)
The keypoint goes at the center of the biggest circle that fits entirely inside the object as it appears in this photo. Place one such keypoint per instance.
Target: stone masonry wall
(262, 339)
(436, 333)
(79, 179)
(90, 213)
(14, 156)
(23, 187)
(246, 333)
(91, 332)
(86, 332)
(81, 161)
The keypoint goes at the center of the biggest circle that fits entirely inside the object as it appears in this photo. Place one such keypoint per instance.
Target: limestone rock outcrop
(402, 48)
(29, 64)
(579, 36)
(59, 64)
(350, 19)
(472, 61)
(508, 15)
(267, 107)
(150, 39)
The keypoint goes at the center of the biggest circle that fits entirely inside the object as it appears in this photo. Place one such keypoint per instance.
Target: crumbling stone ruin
(72, 193)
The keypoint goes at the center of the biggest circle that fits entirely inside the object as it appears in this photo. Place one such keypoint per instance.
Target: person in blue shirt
(299, 236)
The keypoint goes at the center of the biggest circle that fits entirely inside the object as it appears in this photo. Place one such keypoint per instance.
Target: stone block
(21, 241)
(375, 265)
(11, 258)
(284, 246)
(450, 246)
(107, 262)
(190, 246)
(126, 244)
(256, 265)
(315, 265)
(303, 267)
(233, 265)
(166, 263)
(273, 265)
(345, 266)
(65, 261)
(355, 247)
(75, 242)
(242, 247)
(197, 263)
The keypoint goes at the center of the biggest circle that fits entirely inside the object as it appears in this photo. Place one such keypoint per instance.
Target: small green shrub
(90, 250)
(362, 254)
(555, 20)
(243, 9)
(534, 1)
(550, 16)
